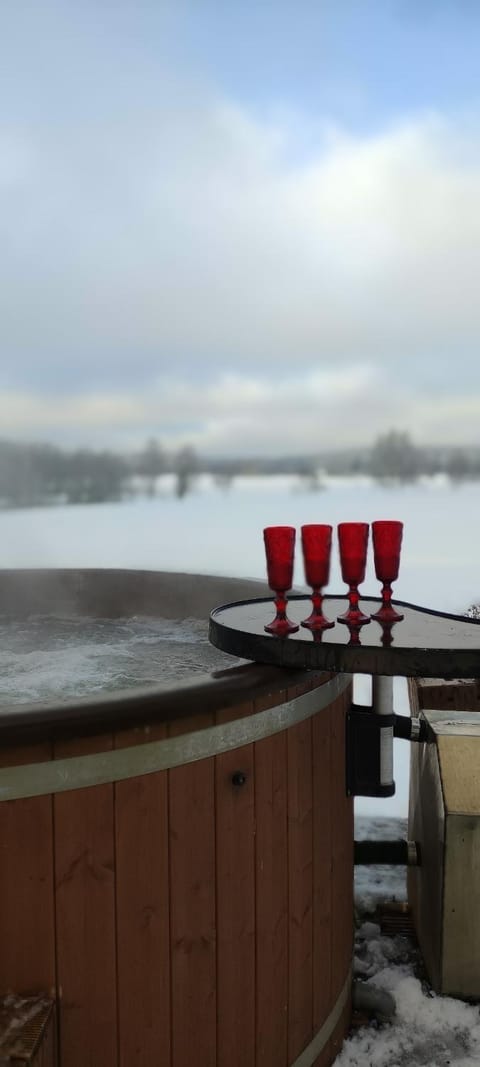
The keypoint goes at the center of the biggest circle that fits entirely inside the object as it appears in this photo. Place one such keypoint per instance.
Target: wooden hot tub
(177, 862)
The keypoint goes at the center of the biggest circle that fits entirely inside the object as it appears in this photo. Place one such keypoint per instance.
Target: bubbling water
(45, 658)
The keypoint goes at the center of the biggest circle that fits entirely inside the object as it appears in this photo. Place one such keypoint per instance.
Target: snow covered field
(219, 531)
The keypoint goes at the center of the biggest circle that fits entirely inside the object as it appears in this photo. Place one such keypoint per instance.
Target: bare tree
(186, 468)
(151, 463)
(395, 457)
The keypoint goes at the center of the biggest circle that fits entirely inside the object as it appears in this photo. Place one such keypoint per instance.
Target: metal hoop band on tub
(116, 765)
(317, 1044)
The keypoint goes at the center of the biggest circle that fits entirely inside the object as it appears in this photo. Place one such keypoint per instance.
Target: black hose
(410, 729)
(396, 853)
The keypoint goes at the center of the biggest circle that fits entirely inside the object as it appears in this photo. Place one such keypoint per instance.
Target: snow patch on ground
(426, 1030)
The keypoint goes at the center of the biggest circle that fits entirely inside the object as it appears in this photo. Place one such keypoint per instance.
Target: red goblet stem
(317, 620)
(386, 595)
(354, 598)
(354, 635)
(317, 600)
(281, 605)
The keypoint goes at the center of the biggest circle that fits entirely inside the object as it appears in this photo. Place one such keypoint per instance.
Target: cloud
(189, 245)
(243, 415)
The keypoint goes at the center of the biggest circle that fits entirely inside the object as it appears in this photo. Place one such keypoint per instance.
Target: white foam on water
(48, 659)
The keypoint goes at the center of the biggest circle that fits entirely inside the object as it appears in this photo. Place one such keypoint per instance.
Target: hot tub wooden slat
(342, 865)
(300, 886)
(143, 916)
(323, 771)
(235, 853)
(192, 909)
(190, 912)
(27, 952)
(271, 903)
(85, 902)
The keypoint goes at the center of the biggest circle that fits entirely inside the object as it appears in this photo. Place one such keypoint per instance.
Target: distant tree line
(34, 474)
(394, 457)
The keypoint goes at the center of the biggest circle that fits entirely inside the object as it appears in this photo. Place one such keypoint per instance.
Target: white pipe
(382, 694)
(382, 704)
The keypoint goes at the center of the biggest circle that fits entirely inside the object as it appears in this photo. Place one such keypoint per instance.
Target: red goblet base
(354, 617)
(387, 613)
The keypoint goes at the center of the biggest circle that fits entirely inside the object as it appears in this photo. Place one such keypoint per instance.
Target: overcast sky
(247, 226)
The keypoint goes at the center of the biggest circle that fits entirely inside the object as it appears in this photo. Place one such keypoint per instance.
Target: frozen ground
(426, 1030)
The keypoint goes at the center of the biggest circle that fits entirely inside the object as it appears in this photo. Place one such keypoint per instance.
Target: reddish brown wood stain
(85, 919)
(184, 918)
(271, 904)
(436, 694)
(192, 910)
(142, 913)
(342, 868)
(235, 840)
(323, 831)
(300, 888)
(235, 890)
(27, 930)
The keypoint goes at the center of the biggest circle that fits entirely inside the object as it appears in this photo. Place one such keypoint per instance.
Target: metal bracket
(369, 737)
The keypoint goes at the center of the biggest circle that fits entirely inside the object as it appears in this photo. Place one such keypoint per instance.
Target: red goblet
(387, 542)
(353, 541)
(280, 549)
(317, 545)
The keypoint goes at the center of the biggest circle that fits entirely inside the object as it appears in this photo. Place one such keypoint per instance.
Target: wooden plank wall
(235, 888)
(300, 887)
(342, 872)
(182, 918)
(142, 912)
(27, 920)
(271, 898)
(324, 806)
(438, 694)
(84, 858)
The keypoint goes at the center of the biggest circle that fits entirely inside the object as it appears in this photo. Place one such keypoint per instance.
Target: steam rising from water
(46, 658)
